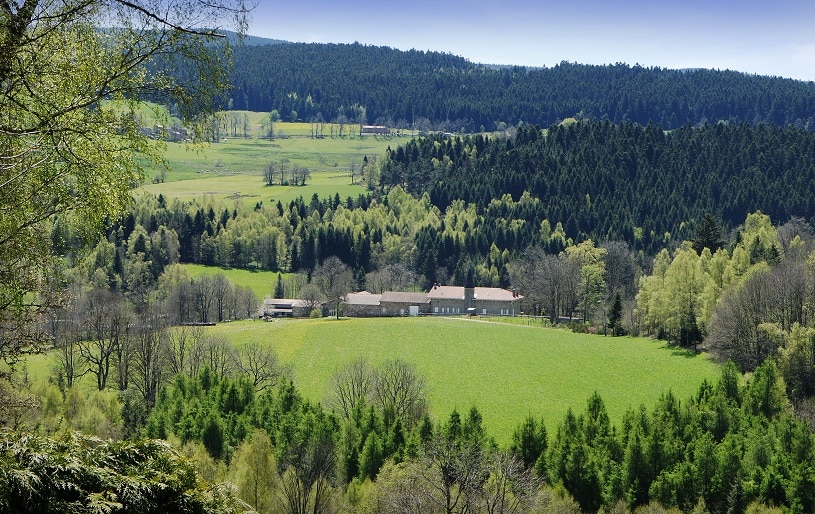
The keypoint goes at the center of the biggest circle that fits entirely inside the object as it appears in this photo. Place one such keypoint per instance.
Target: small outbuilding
(284, 308)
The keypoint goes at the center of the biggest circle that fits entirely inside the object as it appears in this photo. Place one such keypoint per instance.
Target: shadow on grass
(677, 351)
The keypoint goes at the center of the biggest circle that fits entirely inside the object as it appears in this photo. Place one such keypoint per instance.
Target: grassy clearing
(261, 282)
(507, 371)
(250, 189)
(233, 169)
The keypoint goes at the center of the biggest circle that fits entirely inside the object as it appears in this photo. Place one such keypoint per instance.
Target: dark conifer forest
(605, 181)
(387, 86)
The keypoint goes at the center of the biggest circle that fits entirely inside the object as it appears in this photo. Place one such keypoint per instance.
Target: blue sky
(755, 36)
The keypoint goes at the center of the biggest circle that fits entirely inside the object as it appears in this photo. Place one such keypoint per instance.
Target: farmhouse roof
(404, 297)
(284, 303)
(362, 298)
(480, 293)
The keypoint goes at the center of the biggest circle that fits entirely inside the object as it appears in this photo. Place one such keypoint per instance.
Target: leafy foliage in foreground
(727, 447)
(85, 475)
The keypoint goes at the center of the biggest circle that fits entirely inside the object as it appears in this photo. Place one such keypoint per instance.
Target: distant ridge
(249, 40)
(433, 90)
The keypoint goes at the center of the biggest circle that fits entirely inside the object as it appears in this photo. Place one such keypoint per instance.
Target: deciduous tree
(400, 387)
(335, 280)
(70, 143)
(353, 386)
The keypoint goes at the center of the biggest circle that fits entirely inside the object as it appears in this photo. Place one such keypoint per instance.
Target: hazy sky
(765, 37)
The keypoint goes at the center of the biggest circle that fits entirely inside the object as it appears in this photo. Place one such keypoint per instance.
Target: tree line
(734, 446)
(631, 182)
(432, 90)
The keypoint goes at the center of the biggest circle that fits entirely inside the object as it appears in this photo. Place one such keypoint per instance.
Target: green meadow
(233, 169)
(261, 282)
(507, 371)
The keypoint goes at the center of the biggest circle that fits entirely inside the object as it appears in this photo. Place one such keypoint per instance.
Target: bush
(577, 327)
(316, 313)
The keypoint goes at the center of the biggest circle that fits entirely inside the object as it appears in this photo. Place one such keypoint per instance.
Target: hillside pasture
(507, 371)
(233, 168)
(263, 283)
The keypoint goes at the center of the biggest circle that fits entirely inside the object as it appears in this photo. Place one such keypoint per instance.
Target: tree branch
(167, 23)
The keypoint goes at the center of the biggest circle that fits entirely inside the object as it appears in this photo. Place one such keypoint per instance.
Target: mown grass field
(233, 169)
(261, 282)
(507, 371)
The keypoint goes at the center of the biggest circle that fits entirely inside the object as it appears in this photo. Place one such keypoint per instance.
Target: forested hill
(447, 92)
(608, 181)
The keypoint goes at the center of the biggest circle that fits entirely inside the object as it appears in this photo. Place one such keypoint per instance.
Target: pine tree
(278, 290)
(708, 235)
(371, 458)
(615, 316)
(529, 441)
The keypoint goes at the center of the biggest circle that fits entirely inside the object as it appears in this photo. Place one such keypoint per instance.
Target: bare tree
(270, 173)
(777, 296)
(621, 269)
(150, 354)
(121, 322)
(283, 166)
(104, 319)
(456, 471)
(218, 355)
(335, 280)
(391, 277)
(261, 364)
(795, 227)
(69, 364)
(203, 296)
(511, 487)
(245, 125)
(245, 303)
(549, 282)
(311, 295)
(182, 345)
(300, 174)
(353, 386)
(400, 386)
(175, 290)
(221, 291)
(64, 330)
(341, 120)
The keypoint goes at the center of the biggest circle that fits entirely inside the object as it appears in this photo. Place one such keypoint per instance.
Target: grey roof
(284, 303)
(400, 297)
(480, 293)
(362, 298)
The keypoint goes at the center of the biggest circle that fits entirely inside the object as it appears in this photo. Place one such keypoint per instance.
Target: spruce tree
(615, 316)
(708, 235)
(278, 290)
